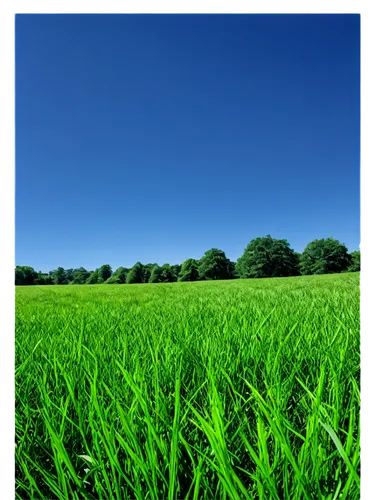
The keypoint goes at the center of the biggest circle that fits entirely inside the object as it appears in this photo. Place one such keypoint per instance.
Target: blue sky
(155, 138)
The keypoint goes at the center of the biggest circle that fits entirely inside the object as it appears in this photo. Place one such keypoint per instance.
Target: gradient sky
(157, 137)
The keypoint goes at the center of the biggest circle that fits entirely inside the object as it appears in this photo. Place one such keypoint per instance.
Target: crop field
(242, 389)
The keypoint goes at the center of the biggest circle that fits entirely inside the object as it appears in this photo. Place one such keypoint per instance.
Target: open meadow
(238, 389)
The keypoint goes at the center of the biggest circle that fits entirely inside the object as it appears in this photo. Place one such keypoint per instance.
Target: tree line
(264, 257)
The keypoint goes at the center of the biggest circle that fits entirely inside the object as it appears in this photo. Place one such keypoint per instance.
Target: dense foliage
(325, 256)
(214, 265)
(189, 270)
(263, 258)
(268, 258)
(355, 262)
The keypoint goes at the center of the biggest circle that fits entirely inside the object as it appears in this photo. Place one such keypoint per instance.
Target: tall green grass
(232, 390)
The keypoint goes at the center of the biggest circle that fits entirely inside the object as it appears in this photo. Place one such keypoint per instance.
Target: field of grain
(242, 389)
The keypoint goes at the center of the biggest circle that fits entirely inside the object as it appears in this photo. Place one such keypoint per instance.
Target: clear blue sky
(155, 138)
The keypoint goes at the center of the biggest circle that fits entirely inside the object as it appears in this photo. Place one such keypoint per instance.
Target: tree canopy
(324, 256)
(93, 278)
(214, 265)
(175, 270)
(59, 276)
(167, 275)
(263, 257)
(104, 273)
(355, 262)
(43, 279)
(147, 270)
(189, 271)
(155, 274)
(80, 276)
(135, 275)
(118, 277)
(164, 274)
(267, 258)
(25, 275)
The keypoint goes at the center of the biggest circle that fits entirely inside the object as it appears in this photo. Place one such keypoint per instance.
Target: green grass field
(241, 389)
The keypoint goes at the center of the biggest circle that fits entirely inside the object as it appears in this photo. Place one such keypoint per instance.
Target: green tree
(48, 279)
(80, 276)
(147, 270)
(189, 271)
(43, 279)
(214, 265)
(40, 278)
(136, 274)
(93, 278)
(118, 277)
(232, 270)
(25, 275)
(59, 276)
(298, 257)
(104, 273)
(175, 270)
(19, 275)
(267, 257)
(324, 256)
(155, 274)
(69, 275)
(166, 273)
(355, 262)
